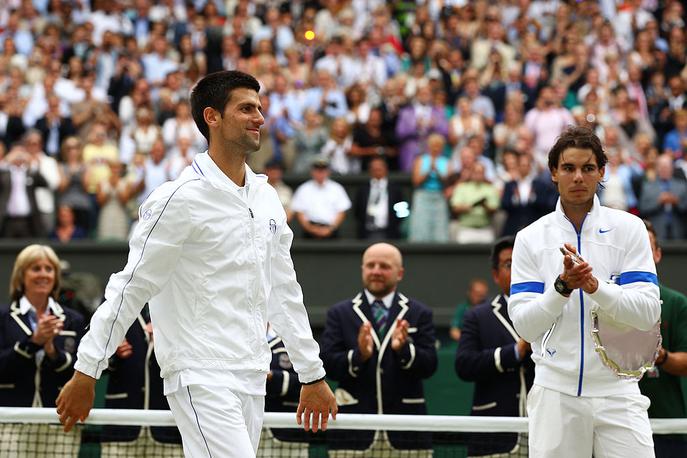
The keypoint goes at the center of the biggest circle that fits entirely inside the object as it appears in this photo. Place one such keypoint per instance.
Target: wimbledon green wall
(330, 272)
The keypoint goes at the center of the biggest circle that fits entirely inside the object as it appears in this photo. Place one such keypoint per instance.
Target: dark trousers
(669, 446)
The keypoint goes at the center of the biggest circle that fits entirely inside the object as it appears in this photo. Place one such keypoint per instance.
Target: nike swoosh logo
(601, 231)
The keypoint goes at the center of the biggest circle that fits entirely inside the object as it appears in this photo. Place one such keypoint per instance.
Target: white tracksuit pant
(564, 426)
(216, 422)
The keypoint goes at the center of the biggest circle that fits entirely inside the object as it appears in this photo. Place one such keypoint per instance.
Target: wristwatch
(561, 287)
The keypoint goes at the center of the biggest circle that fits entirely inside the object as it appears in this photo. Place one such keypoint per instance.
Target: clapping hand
(365, 342)
(47, 328)
(577, 273)
(400, 335)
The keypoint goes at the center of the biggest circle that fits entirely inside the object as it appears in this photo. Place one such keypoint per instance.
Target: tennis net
(35, 433)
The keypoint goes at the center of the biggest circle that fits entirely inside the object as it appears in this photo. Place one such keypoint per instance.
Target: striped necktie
(381, 316)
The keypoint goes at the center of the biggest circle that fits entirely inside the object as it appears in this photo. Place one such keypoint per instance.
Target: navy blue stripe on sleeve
(634, 277)
(527, 287)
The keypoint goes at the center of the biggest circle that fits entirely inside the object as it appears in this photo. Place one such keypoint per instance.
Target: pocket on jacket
(115, 396)
(344, 398)
(7, 386)
(413, 400)
(487, 406)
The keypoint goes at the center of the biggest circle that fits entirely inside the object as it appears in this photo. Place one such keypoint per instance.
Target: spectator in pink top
(547, 120)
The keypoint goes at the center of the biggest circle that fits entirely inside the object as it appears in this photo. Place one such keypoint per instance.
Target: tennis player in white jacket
(577, 405)
(211, 257)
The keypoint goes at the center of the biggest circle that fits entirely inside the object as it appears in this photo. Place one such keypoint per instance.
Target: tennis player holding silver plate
(625, 350)
(585, 399)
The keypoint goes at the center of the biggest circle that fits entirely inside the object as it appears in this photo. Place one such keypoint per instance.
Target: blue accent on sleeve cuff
(633, 277)
(527, 287)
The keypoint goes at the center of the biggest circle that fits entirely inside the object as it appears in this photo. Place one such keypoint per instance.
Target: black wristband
(313, 382)
(562, 287)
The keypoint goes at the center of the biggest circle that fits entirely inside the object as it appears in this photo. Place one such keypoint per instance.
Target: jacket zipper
(579, 385)
(253, 306)
(546, 338)
(579, 251)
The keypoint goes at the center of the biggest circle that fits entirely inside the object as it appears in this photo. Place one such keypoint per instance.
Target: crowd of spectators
(465, 98)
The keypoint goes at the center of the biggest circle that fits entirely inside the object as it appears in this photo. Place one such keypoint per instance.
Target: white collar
(588, 220)
(204, 165)
(379, 181)
(387, 300)
(25, 306)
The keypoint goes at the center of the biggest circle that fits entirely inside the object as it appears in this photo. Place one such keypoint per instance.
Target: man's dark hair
(214, 90)
(577, 137)
(651, 230)
(501, 244)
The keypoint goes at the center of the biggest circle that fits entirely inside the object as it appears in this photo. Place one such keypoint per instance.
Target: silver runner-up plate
(627, 351)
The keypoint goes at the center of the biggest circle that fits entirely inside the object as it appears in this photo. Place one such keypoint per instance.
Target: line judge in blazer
(379, 346)
(38, 342)
(493, 355)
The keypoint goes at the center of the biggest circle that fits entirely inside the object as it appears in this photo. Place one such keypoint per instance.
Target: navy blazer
(283, 391)
(18, 357)
(486, 356)
(542, 200)
(389, 382)
(135, 383)
(395, 195)
(65, 129)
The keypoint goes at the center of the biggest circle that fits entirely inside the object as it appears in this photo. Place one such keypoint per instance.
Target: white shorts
(563, 426)
(216, 422)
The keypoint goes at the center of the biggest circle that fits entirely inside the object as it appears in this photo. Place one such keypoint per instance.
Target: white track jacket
(213, 262)
(616, 245)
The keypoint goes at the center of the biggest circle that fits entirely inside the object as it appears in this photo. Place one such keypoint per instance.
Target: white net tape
(344, 421)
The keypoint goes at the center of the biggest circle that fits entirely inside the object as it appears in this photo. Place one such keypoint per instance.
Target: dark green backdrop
(330, 271)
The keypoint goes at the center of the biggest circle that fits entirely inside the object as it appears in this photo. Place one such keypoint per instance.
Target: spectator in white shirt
(20, 177)
(320, 204)
(47, 166)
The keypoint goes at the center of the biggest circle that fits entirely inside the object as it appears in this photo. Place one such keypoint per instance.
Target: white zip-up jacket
(213, 262)
(616, 245)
